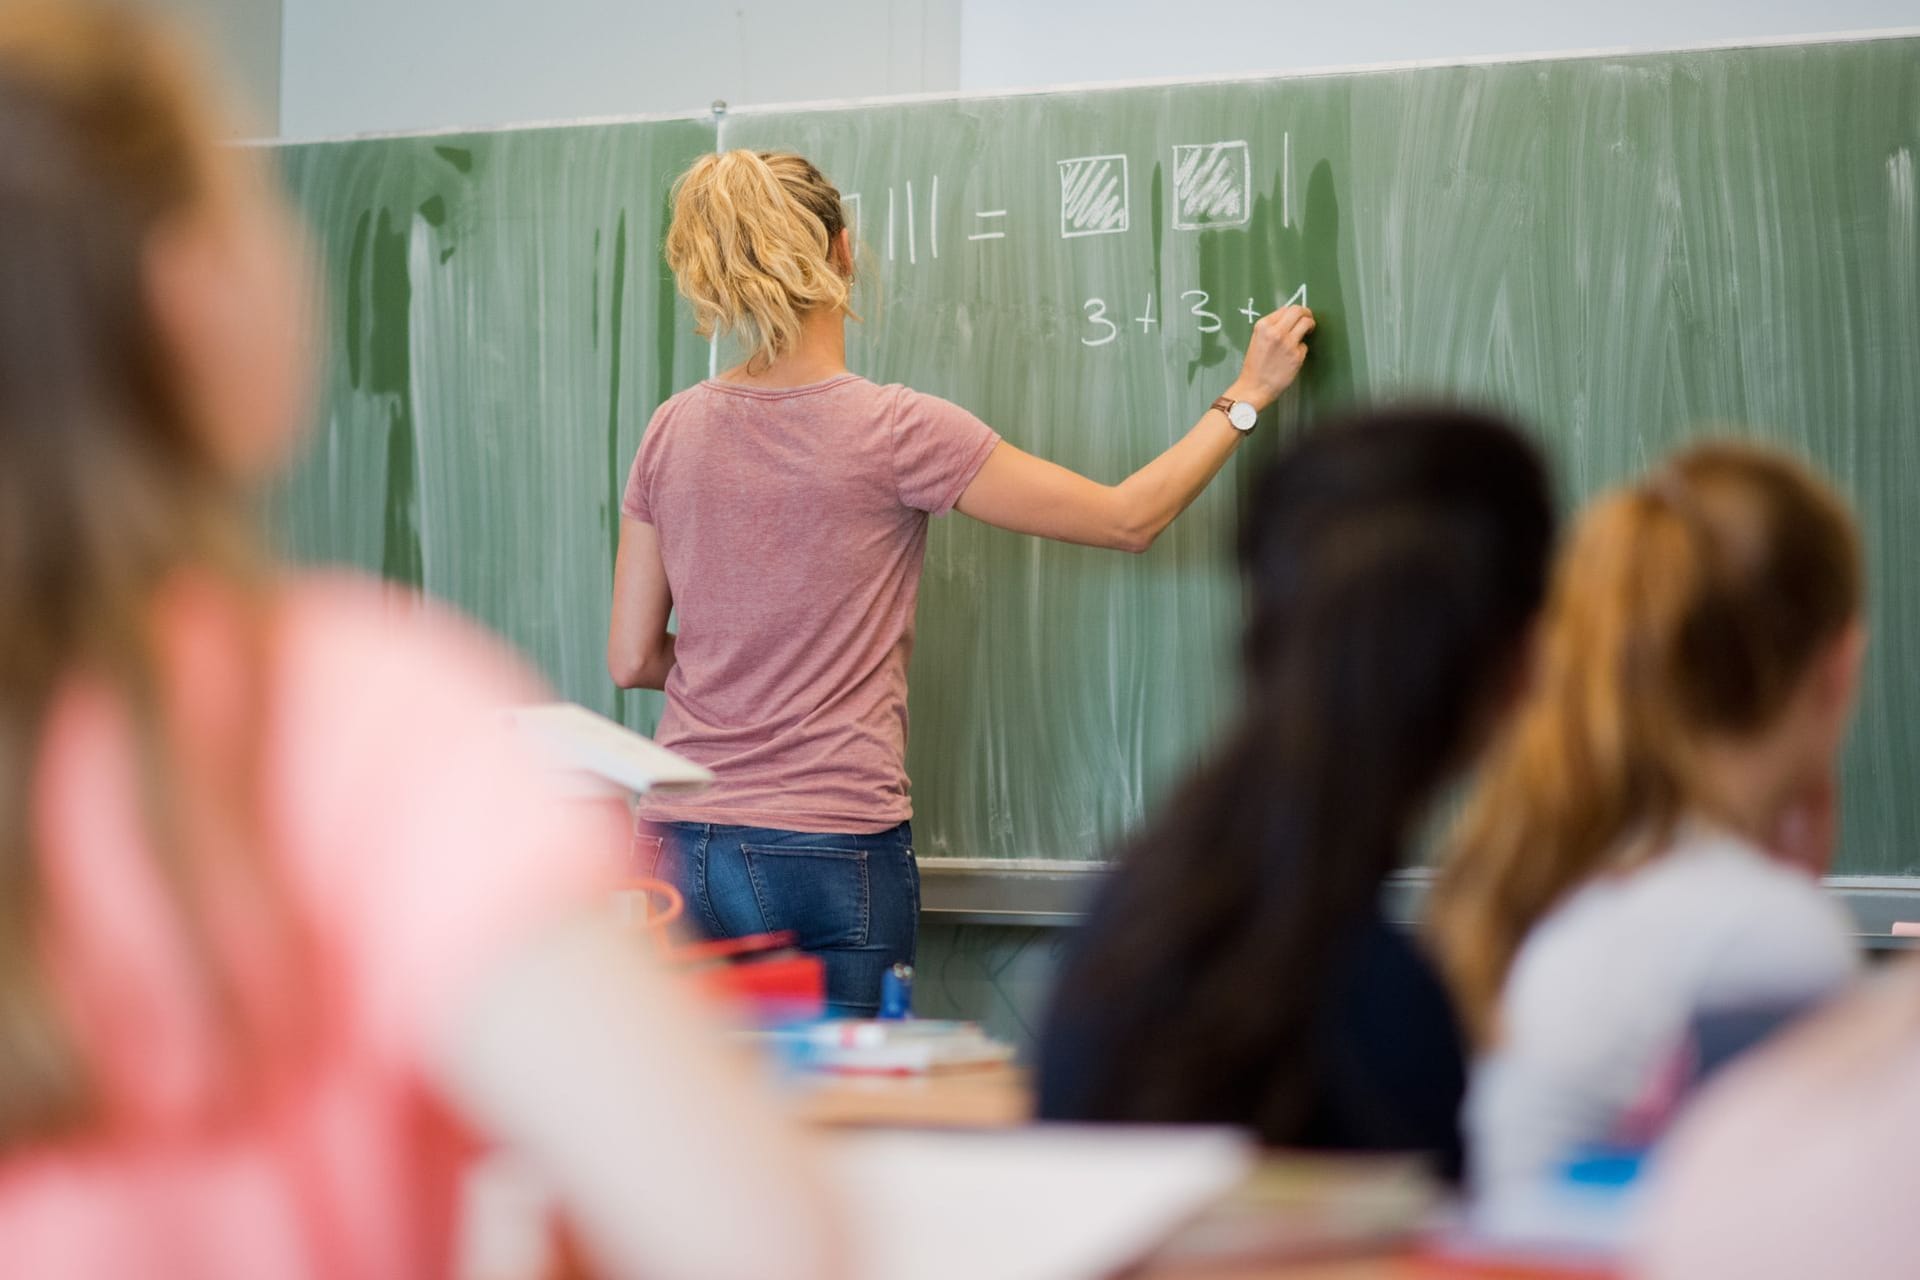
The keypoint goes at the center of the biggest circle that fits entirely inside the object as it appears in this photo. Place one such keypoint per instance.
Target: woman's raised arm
(1025, 494)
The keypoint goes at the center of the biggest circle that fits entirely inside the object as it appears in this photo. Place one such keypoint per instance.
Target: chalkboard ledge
(1040, 893)
(1033, 892)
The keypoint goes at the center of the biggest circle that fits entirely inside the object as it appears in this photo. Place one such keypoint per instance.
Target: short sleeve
(435, 842)
(938, 448)
(635, 504)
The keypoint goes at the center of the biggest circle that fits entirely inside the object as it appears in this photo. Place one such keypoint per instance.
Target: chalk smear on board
(1901, 195)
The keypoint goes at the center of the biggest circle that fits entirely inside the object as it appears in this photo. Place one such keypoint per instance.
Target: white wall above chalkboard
(1012, 44)
(354, 66)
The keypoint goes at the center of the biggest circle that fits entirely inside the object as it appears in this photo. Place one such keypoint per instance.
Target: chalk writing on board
(1096, 311)
(984, 215)
(1212, 189)
(1103, 330)
(903, 225)
(1209, 322)
(1212, 185)
(1286, 179)
(911, 256)
(1093, 196)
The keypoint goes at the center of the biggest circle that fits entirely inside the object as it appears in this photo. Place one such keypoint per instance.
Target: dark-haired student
(1237, 968)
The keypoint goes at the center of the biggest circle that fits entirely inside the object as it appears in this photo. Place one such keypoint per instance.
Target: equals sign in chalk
(989, 235)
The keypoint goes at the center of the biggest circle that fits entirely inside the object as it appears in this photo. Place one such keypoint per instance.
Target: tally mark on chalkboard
(1212, 182)
(893, 221)
(989, 235)
(850, 210)
(1093, 196)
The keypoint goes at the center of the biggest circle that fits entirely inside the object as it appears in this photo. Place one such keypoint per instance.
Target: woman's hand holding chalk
(1274, 355)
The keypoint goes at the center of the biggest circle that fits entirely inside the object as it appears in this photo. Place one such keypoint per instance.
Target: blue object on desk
(896, 992)
(1604, 1167)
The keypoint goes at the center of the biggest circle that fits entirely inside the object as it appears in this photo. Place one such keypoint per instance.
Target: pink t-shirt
(411, 844)
(793, 526)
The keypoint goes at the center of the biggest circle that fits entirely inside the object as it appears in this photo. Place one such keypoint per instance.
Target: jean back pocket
(821, 895)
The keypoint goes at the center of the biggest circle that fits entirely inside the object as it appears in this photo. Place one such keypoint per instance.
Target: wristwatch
(1242, 415)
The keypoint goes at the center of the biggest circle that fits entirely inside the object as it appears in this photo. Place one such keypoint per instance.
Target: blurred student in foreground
(1641, 852)
(1800, 1162)
(282, 916)
(1237, 969)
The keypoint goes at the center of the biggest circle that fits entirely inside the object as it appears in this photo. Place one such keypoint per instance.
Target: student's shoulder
(1721, 868)
(1774, 928)
(1382, 952)
(1388, 973)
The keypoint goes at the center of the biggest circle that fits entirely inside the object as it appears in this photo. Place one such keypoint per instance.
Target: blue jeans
(854, 901)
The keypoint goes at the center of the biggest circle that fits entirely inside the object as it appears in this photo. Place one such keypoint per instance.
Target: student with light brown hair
(781, 510)
(1641, 851)
(286, 922)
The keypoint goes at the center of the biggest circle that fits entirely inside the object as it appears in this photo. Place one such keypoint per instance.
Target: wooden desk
(991, 1098)
(1002, 1097)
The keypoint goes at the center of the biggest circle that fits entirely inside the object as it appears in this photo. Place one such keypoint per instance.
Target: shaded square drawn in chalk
(1212, 185)
(1093, 196)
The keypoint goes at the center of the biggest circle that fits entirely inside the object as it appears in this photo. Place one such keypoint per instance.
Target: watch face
(1243, 415)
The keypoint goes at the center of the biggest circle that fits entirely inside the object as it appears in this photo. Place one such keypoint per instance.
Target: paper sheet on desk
(1048, 1203)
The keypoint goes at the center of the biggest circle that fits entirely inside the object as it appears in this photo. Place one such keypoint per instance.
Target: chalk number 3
(1097, 314)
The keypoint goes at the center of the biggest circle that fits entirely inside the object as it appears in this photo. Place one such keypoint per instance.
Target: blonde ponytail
(1685, 608)
(751, 247)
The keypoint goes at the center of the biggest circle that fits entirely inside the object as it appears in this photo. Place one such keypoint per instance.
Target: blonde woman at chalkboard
(781, 508)
(286, 920)
(1633, 890)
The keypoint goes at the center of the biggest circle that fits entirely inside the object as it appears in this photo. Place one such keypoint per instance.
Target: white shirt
(1603, 993)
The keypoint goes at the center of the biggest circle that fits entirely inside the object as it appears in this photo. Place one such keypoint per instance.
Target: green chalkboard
(500, 328)
(1627, 250)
